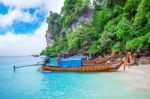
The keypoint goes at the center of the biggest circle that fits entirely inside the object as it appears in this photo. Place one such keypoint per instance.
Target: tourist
(46, 62)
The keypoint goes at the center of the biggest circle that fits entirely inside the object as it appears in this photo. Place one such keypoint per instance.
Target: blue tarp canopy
(74, 61)
(52, 62)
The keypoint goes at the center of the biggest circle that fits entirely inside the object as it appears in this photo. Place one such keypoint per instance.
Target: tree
(125, 30)
(136, 43)
(72, 9)
(82, 37)
(117, 47)
(116, 25)
(106, 41)
(54, 25)
(101, 17)
(143, 8)
(141, 42)
(118, 10)
(131, 8)
(94, 48)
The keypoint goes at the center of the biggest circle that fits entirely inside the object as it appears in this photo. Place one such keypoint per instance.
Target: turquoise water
(30, 83)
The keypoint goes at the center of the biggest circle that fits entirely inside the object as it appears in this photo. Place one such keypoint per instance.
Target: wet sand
(137, 77)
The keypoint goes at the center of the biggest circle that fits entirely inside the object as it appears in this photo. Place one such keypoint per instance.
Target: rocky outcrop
(84, 18)
(49, 35)
(144, 60)
(49, 38)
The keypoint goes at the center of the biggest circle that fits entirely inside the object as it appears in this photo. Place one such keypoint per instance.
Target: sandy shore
(137, 77)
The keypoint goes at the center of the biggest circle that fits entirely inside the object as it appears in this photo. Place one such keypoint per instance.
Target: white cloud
(22, 3)
(15, 14)
(53, 5)
(16, 10)
(12, 44)
(21, 44)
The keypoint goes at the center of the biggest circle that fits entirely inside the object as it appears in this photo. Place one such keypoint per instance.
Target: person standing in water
(126, 60)
(46, 62)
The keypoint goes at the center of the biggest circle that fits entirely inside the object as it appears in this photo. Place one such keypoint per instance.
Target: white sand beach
(137, 77)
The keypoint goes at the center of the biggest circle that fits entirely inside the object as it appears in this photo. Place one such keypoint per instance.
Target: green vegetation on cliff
(115, 25)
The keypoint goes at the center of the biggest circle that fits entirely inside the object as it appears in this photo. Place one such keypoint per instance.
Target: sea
(32, 83)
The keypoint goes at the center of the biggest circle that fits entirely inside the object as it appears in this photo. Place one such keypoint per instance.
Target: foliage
(94, 48)
(73, 40)
(106, 41)
(135, 43)
(147, 37)
(148, 17)
(131, 7)
(54, 23)
(144, 30)
(117, 25)
(101, 17)
(143, 8)
(82, 37)
(125, 30)
(117, 47)
(112, 3)
(110, 26)
(141, 42)
(118, 10)
(58, 46)
(72, 9)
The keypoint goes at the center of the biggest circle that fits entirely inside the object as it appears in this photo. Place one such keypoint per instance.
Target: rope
(28, 65)
(16, 67)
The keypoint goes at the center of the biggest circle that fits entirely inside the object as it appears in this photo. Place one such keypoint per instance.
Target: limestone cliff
(85, 17)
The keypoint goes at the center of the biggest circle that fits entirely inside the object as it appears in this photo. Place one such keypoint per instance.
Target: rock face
(144, 60)
(49, 36)
(49, 39)
(98, 2)
(85, 17)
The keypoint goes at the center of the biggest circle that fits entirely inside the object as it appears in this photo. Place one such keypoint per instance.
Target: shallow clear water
(30, 83)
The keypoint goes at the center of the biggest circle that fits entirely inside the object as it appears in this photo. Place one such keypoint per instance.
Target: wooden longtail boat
(91, 68)
(98, 60)
(93, 62)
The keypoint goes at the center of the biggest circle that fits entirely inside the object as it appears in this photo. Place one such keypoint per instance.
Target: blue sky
(18, 26)
(3, 9)
(23, 26)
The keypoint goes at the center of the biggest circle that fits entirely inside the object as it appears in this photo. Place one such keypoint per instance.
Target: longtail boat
(95, 61)
(106, 67)
(98, 60)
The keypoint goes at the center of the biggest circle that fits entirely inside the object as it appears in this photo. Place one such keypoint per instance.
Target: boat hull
(98, 60)
(93, 68)
(92, 62)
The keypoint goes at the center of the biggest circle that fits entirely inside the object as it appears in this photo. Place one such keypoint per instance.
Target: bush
(131, 6)
(125, 30)
(117, 47)
(136, 43)
(101, 17)
(118, 10)
(143, 8)
(94, 48)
